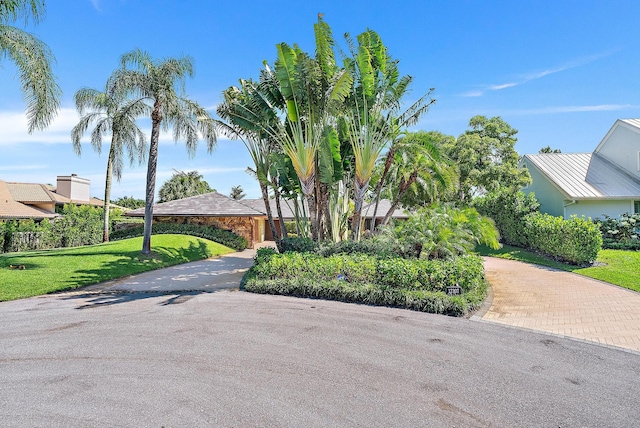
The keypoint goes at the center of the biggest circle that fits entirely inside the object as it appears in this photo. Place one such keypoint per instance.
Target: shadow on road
(93, 300)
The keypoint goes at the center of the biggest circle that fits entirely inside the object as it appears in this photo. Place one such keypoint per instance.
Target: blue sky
(561, 72)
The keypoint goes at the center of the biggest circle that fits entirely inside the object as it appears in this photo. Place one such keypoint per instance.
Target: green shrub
(417, 284)
(576, 240)
(620, 233)
(215, 234)
(2, 234)
(298, 245)
(508, 210)
(375, 247)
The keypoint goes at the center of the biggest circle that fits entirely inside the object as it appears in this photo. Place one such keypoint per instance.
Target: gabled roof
(383, 207)
(631, 124)
(9, 208)
(208, 205)
(586, 176)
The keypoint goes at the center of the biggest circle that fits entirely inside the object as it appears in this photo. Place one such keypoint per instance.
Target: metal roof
(208, 205)
(632, 122)
(586, 175)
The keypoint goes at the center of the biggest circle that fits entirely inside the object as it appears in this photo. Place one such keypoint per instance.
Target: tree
(237, 193)
(183, 185)
(33, 60)
(486, 158)
(548, 149)
(114, 114)
(161, 83)
(129, 202)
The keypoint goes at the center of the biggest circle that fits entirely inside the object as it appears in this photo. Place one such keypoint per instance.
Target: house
(211, 209)
(39, 201)
(603, 182)
(384, 205)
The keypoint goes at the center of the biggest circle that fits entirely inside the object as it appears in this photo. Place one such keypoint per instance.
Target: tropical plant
(115, 114)
(375, 119)
(33, 60)
(161, 84)
(237, 192)
(183, 185)
(442, 231)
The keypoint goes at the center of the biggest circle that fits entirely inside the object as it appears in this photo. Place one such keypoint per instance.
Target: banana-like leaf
(329, 160)
(285, 70)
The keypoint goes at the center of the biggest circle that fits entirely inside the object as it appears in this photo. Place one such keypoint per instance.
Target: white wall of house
(73, 187)
(596, 209)
(622, 147)
(551, 199)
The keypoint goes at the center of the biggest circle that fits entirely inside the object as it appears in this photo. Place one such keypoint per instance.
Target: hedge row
(416, 284)
(576, 240)
(77, 226)
(221, 236)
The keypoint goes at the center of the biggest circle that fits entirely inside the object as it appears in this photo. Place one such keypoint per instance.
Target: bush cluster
(416, 284)
(221, 236)
(620, 233)
(78, 225)
(576, 240)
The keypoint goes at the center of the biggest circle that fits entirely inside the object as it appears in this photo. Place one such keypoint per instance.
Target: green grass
(616, 267)
(64, 269)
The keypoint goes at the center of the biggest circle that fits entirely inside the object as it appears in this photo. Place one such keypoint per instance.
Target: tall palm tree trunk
(267, 205)
(107, 193)
(404, 186)
(387, 166)
(276, 194)
(156, 119)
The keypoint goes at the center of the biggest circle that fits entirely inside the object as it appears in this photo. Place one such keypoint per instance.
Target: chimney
(73, 187)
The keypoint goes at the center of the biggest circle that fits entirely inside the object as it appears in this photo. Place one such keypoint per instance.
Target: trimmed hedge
(215, 234)
(416, 284)
(79, 225)
(576, 240)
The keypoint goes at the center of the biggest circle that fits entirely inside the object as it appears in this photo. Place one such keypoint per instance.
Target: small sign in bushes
(454, 290)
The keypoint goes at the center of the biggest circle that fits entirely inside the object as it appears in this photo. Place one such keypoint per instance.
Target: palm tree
(114, 114)
(161, 83)
(32, 58)
(375, 119)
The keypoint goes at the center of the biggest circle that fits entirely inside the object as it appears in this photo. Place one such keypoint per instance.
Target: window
(636, 207)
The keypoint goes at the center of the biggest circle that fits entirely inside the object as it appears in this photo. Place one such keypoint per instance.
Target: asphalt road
(234, 359)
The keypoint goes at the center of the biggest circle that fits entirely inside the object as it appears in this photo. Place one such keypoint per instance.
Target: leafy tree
(183, 185)
(237, 192)
(129, 202)
(486, 158)
(548, 149)
(161, 83)
(115, 114)
(33, 59)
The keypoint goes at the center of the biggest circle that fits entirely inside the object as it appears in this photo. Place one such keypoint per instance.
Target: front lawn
(617, 267)
(42, 272)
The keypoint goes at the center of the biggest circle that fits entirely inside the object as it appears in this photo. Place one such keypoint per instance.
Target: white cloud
(574, 109)
(96, 5)
(537, 75)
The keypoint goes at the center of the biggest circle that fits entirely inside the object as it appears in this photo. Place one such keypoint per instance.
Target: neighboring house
(39, 201)
(605, 182)
(383, 207)
(211, 209)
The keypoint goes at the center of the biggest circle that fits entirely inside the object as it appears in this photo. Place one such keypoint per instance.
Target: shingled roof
(383, 207)
(208, 205)
(10, 208)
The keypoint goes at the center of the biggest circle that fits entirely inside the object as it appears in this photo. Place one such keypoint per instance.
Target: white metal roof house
(606, 181)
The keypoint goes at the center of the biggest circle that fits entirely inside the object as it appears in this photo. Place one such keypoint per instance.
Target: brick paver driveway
(562, 303)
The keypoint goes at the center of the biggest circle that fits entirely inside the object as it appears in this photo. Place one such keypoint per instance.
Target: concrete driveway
(562, 303)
